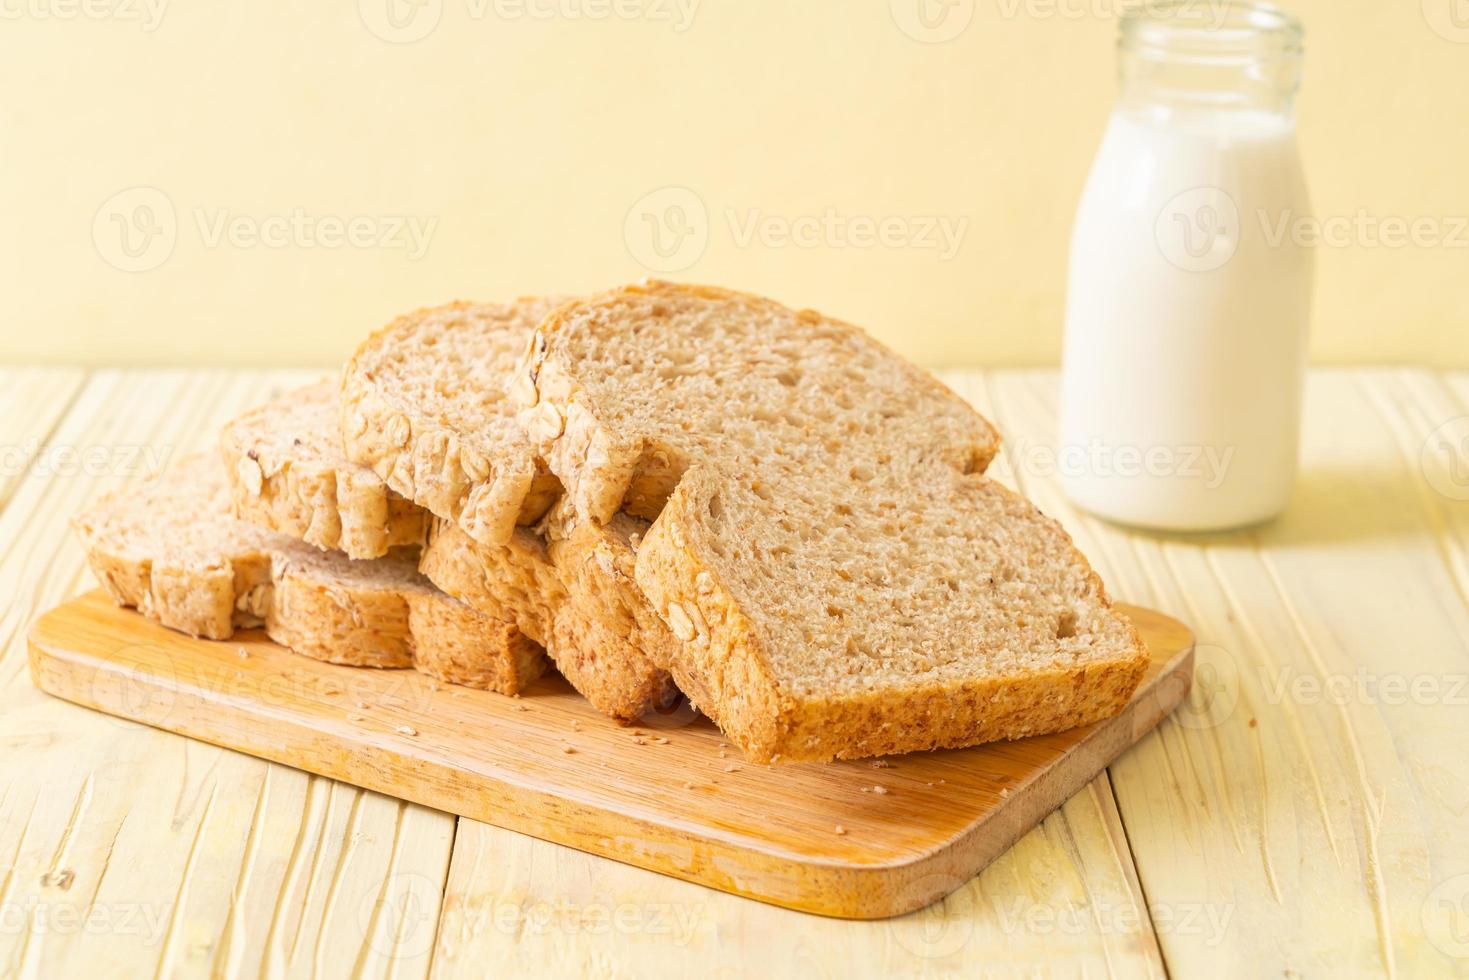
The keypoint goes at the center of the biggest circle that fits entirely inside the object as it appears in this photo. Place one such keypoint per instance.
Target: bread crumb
(1004, 792)
(724, 745)
(245, 655)
(731, 768)
(406, 730)
(362, 704)
(688, 785)
(354, 717)
(58, 878)
(841, 831)
(661, 741)
(880, 764)
(880, 790)
(568, 750)
(575, 723)
(1253, 723)
(928, 784)
(636, 732)
(640, 741)
(518, 707)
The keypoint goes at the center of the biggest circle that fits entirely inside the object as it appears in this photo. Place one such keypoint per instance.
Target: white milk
(1186, 313)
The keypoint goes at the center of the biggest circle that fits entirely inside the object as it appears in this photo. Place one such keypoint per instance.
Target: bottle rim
(1215, 31)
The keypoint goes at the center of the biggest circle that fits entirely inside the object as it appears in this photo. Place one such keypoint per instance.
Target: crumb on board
(880, 764)
(518, 707)
(406, 730)
(362, 705)
(354, 717)
(569, 750)
(58, 878)
(731, 768)
(880, 790)
(661, 740)
(841, 831)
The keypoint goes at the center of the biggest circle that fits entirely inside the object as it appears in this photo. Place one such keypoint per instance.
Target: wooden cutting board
(852, 839)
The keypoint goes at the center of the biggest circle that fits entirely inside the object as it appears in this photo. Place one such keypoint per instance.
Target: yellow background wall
(529, 146)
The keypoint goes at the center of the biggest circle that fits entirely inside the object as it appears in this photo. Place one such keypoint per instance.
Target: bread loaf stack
(670, 490)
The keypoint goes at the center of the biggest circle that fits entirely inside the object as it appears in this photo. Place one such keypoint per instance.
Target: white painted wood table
(1306, 814)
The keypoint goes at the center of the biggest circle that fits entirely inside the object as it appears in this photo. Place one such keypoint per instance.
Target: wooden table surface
(1306, 814)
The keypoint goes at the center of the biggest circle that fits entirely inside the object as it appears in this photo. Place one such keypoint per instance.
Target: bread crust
(259, 579)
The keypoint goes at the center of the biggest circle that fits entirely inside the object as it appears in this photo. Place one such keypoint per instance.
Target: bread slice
(423, 407)
(576, 595)
(844, 579)
(287, 472)
(171, 549)
(434, 378)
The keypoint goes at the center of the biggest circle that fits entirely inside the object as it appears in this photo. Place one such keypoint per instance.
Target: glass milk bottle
(1190, 279)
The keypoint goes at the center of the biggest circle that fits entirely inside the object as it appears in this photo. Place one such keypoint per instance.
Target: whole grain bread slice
(844, 579)
(171, 549)
(434, 377)
(287, 472)
(573, 592)
(422, 406)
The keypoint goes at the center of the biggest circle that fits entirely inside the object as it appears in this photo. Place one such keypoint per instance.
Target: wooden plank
(855, 841)
(1064, 899)
(32, 401)
(1302, 815)
(125, 851)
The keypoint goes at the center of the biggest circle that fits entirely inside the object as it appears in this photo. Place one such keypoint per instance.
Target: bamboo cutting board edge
(727, 833)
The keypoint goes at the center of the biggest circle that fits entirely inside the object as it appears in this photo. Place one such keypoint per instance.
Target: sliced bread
(287, 472)
(434, 378)
(423, 407)
(171, 549)
(576, 595)
(844, 580)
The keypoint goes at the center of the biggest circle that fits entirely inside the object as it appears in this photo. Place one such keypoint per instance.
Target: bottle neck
(1213, 56)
